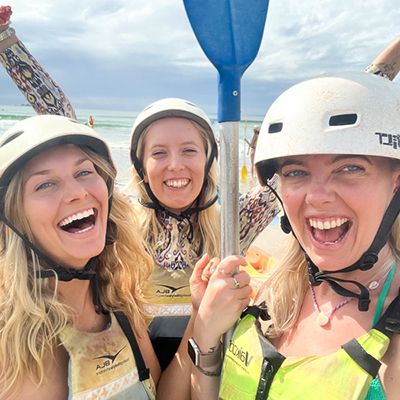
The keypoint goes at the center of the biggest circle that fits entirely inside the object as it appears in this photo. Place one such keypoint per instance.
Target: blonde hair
(31, 315)
(206, 227)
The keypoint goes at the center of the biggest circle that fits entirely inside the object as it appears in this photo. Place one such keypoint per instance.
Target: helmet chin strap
(365, 262)
(63, 274)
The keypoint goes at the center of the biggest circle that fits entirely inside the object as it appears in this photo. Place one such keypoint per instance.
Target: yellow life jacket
(253, 369)
(107, 364)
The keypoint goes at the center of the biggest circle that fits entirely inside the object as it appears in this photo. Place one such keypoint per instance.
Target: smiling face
(65, 202)
(174, 159)
(335, 203)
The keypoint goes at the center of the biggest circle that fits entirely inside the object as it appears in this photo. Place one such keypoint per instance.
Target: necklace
(323, 319)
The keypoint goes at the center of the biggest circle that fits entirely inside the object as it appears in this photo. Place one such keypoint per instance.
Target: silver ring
(236, 283)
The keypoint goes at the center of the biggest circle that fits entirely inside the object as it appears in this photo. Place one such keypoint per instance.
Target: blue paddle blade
(230, 33)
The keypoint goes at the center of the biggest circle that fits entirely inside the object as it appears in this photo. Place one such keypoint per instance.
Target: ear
(145, 178)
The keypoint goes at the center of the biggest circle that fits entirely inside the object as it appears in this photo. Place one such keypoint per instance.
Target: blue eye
(44, 185)
(294, 173)
(352, 168)
(84, 173)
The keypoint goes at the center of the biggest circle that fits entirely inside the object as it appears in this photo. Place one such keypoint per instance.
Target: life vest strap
(367, 362)
(143, 371)
(389, 323)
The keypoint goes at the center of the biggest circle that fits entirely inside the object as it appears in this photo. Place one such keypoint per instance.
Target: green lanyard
(383, 294)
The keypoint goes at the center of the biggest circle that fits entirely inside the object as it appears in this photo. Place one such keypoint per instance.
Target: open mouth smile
(177, 183)
(329, 231)
(80, 222)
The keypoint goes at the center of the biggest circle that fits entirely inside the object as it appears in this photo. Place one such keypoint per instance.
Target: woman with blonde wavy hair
(174, 154)
(72, 269)
(326, 323)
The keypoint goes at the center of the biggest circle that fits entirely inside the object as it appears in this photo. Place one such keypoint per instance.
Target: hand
(201, 274)
(5, 14)
(226, 296)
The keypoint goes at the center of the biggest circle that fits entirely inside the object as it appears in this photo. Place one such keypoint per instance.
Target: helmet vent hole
(343, 119)
(275, 128)
(12, 137)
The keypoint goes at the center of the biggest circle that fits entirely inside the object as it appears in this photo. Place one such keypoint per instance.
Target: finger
(231, 264)
(240, 279)
(210, 269)
(199, 268)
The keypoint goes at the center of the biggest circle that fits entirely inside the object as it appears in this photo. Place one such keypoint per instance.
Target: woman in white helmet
(72, 269)
(326, 324)
(174, 153)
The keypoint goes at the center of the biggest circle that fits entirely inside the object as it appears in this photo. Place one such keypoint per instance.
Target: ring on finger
(236, 284)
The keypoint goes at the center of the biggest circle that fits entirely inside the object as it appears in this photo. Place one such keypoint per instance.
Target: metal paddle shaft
(230, 33)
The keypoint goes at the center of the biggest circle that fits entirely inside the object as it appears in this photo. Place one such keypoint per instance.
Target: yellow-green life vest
(253, 369)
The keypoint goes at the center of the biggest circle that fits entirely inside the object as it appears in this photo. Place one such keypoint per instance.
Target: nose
(74, 190)
(319, 193)
(175, 162)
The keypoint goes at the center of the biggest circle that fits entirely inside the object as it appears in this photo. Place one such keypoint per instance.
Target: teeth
(333, 223)
(177, 183)
(77, 216)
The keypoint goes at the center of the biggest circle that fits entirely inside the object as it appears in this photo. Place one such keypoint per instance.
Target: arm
(175, 379)
(257, 207)
(391, 371)
(387, 63)
(44, 95)
(221, 306)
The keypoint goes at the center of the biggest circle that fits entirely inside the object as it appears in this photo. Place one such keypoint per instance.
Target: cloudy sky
(124, 54)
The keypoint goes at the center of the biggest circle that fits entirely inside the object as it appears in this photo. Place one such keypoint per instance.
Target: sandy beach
(272, 241)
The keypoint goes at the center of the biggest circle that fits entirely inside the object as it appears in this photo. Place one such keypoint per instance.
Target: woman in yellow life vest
(72, 269)
(326, 323)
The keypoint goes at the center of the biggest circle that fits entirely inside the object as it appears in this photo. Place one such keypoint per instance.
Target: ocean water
(114, 127)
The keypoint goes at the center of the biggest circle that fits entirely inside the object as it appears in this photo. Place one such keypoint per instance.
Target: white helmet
(31, 136)
(347, 113)
(170, 107)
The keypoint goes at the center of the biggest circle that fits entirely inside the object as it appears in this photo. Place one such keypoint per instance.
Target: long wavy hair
(287, 284)
(206, 225)
(31, 314)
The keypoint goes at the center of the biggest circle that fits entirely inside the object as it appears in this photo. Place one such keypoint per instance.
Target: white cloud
(146, 49)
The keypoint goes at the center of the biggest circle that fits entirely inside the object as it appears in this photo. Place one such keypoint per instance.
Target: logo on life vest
(242, 355)
(109, 361)
(169, 289)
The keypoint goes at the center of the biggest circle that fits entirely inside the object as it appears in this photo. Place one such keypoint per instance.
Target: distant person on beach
(90, 121)
(252, 147)
(174, 153)
(72, 269)
(42, 93)
(326, 323)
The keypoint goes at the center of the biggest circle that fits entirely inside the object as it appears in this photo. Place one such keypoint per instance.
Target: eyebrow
(48, 171)
(192, 142)
(340, 157)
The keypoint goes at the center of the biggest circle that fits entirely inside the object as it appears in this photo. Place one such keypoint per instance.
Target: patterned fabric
(102, 365)
(168, 289)
(34, 82)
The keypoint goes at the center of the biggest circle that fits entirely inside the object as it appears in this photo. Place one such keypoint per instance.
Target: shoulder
(149, 356)
(55, 382)
(390, 374)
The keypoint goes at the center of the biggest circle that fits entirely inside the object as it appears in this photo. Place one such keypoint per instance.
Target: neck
(377, 273)
(76, 294)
